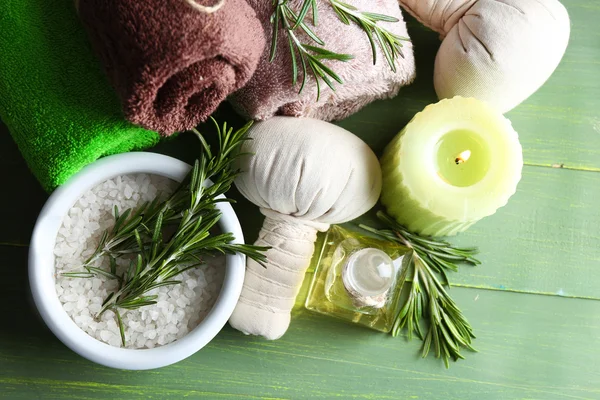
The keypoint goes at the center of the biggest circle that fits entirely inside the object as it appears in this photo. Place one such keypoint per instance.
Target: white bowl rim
(41, 267)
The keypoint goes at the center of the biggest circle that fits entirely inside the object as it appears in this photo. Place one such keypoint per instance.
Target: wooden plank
(560, 124)
(530, 347)
(545, 240)
(21, 197)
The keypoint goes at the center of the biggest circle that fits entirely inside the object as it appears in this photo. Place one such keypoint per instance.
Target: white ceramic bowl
(42, 271)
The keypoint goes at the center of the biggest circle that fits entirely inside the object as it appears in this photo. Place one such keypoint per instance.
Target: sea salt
(180, 308)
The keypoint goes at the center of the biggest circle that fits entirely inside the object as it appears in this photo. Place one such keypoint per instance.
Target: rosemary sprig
(120, 239)
(448, 329)
(159, 264)
(310, 56)
(158, 261)
(390, 44)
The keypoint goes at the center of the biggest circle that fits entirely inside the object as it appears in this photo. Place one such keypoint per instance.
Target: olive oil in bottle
(355, 278)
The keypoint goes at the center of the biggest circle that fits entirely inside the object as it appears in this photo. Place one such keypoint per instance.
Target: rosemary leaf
(286, 19)
(295, 65)
(121, 327)
(322, 54)
(389, 43)
(309, 4)
(113, 265)
(99, 271)
(78, 274)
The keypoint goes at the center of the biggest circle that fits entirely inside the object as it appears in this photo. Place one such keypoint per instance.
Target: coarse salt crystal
(115, 341)
(81, 303)
(94, 307)
(70, 297)
(128, 191)
(189, 293)
(140, 342)
(151, 334)
(172, 329)
(182, 302)
(105, 335)
(191, 283)
(162, 304)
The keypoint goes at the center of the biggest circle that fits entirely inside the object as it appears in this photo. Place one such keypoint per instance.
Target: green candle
(456, 162)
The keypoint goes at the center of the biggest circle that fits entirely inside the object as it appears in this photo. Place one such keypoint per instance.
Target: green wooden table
(534, 303)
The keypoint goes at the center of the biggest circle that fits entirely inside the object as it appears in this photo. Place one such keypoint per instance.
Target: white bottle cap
(369, 273)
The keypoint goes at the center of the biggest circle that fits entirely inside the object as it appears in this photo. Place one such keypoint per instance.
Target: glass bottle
(355, 278)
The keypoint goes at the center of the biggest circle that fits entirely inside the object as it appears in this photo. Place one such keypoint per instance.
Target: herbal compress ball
(304, 174)
(497, 51)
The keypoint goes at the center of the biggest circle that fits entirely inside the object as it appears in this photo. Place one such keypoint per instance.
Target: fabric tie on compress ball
(271, 91)
(54, 97)
(172, 63)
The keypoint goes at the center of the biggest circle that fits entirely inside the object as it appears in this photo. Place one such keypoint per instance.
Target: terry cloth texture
(271, 92)
(170, 63)
(54, 97)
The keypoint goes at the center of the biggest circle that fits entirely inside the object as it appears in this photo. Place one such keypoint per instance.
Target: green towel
(54, 97)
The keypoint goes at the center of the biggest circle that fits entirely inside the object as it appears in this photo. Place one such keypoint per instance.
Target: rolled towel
(271, 92)
(54, 97)
(170, 62)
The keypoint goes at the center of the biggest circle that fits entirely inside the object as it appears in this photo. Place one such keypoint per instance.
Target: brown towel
(270, 91)
(170, 63)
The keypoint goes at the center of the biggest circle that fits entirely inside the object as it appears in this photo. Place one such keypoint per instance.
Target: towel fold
(54, 97)
(270, 91)
(171, 63)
